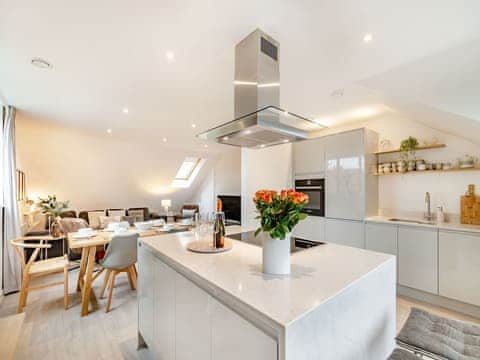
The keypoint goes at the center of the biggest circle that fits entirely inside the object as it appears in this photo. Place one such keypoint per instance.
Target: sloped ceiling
(108, 55)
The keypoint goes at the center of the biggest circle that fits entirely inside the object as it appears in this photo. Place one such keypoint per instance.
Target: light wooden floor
(49, 332)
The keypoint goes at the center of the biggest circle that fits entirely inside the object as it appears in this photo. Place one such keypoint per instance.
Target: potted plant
(408, 147)
(52, 208)
(278, 215)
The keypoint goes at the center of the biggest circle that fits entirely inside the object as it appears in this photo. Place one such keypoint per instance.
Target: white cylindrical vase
(276, 255)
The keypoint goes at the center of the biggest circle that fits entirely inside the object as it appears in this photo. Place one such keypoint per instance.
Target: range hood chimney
(259, 120)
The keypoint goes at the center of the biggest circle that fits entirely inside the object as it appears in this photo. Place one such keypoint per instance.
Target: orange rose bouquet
(279, 212)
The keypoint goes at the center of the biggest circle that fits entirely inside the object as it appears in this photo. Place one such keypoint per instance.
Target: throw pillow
(188, 212)
(70, 225)
(116, 212)
(94, 218)
(138, 214)
(105, 220)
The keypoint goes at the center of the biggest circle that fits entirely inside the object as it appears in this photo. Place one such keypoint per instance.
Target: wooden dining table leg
(87, 283)
(81, 272)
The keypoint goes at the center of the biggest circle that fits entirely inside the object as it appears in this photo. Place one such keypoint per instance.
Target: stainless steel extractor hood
(259, 121)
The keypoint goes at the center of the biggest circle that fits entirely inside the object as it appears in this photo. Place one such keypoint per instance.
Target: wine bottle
(219, 230)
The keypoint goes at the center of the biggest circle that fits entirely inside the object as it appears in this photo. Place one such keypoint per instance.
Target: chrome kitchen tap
(428, 210)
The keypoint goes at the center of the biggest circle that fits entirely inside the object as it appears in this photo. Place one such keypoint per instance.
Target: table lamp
(166, 204)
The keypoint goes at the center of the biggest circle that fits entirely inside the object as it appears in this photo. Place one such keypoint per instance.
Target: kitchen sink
(412, 221)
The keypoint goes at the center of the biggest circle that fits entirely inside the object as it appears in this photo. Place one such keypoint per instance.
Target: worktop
(323, 304)
(451, 226)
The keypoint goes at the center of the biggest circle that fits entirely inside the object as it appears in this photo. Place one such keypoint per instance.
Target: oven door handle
(308, 187)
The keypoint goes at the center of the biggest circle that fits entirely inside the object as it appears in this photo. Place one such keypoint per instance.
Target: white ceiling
(424, 61)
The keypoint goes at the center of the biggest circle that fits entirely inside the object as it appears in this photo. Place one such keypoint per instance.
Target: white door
(309, 157)
(234, 338)
(381, 238)
(418, 258)
(345, 176)
(164, 322)
(312, 228)
(459, 266)
(193, 327)
(145, 293)
(345, 232)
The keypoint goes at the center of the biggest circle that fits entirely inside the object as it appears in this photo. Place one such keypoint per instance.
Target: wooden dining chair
(34, 269)
(121, 256)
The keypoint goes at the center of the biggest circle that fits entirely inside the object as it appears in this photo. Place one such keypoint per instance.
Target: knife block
(470, 207)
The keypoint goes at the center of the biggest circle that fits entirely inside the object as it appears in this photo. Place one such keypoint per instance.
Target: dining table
(88, 246)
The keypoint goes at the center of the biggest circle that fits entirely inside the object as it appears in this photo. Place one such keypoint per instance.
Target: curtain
(11, 220)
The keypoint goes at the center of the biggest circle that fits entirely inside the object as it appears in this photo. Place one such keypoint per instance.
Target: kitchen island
(338, 303)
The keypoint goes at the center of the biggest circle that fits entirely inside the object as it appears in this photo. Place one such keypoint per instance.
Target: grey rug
(452, 339)
(400, 354)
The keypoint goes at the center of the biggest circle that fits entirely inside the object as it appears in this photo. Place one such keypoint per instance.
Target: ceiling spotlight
(164, 139)
(41, 63)
(285, 140)
(367, 38)
(285, 112)
(225, 138)
(109, 131)
(170, 55)
(247, 132)
(205, 146)
(262, 146)
(125, 110)
(194, 126)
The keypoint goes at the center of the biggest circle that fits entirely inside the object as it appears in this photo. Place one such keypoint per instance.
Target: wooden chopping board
(470, 207)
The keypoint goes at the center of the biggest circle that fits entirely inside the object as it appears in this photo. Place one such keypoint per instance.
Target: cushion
(121, 212)
(400, 354)
(105, 220)
(452, 339)
(69, 225)
(94, 218)
(139, 215)
(188, 212)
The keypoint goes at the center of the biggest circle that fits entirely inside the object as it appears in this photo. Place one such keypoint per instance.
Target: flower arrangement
(50, 206)
(279, 212)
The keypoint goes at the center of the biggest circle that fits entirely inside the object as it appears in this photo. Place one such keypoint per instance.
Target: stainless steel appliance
(297, 244)
(315, 189)
(259, 120)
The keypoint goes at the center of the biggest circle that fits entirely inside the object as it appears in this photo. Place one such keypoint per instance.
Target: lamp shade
(166, 203)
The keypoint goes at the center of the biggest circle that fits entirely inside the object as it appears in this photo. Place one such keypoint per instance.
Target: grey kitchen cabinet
(312, 228)
(381, 238)
(145, 293)
(459, 266)
(345, 232)
(308, 157)
(418, 258)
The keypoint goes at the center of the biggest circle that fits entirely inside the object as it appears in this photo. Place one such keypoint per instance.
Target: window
(187, 172)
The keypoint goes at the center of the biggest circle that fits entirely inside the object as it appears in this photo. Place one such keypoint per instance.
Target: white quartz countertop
(443, 226)
(318, 274)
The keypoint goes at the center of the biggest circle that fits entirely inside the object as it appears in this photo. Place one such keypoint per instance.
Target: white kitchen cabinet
(145, 293)
(164, 315)
(345, 232)
(459, 266)
(418, 258)
(351, 188)
(192, 321)
(381, 238)
(312, 228)
(234, 338)
(309, 157)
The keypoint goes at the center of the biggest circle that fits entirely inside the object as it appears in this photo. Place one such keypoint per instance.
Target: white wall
(99, 171)
(222, 179)
(407, 193)
(269, 168)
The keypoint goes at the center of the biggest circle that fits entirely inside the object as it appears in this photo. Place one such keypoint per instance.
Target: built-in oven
(315, 189)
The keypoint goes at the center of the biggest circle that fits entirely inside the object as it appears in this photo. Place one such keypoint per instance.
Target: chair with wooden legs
(121, 256)
(34, 269)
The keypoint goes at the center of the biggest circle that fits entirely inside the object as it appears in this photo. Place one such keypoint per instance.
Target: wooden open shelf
(429, 171)
(436, 146)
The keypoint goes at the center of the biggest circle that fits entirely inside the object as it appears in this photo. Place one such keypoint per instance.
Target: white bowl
(85, 231)
(144, 225)
(158, 222)
(167, 227)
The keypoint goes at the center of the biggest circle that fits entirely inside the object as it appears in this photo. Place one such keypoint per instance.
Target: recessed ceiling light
(225, 138)
(247, 132)
(337, 93)
(170, 55)
(41, 63)
(109, 131)
(285, 112)
(262, 146)
(367, 38)
(164, 139)
(125, 110)
(194, 126)
(205, 146)
(285, 140)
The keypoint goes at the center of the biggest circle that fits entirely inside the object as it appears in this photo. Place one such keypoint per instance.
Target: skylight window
(187, 172)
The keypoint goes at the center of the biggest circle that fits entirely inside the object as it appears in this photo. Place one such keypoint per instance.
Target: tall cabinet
(351, 187)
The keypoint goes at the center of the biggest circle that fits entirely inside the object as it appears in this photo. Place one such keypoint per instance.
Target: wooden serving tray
(206, 247)
(470, 208)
